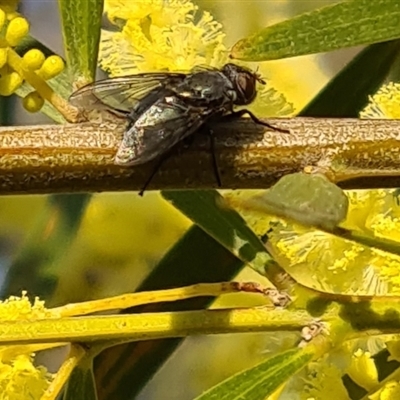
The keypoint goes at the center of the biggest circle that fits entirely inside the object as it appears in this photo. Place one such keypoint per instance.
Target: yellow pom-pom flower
(33, 102)
(9, 83)
(51, 67)
(3, 57)
(384, 104)
(17, 29)
(20, 378)
(3, 18)
(171, 40)
(390, 391)
(18, 308)
(34, 59)
(363, 370)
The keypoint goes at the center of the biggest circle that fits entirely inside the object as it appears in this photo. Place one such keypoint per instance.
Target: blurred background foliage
(107, 244)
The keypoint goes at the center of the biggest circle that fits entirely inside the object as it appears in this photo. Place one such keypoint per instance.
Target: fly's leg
(207, 130)
(186, 141)
(237, 114)
(153, 173)
(214, 158)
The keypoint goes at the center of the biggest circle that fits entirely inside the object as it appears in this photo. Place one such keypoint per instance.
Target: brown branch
(79, 157)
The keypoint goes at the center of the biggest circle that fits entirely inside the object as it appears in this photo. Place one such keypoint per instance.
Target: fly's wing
(202, 68)
(158, 129)
(123, 93)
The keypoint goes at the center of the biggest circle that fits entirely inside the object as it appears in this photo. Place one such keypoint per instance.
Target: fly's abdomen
(158, 129)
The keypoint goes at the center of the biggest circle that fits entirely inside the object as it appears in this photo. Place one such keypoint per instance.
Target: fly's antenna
(258, 76)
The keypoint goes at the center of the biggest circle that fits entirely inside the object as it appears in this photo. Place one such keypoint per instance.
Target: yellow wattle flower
(390, 391)
(34, 58)
(3, 18)
(363, 370)
(51, 67)
(19, 308)
(33, 102)
(160, 12)
(159, 36)
(20, 378)
(17, 29)
(9, 83)
(14, 70)
(3, 57)
(384, 104)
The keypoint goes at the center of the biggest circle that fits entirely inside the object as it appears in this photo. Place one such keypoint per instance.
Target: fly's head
(244, 83)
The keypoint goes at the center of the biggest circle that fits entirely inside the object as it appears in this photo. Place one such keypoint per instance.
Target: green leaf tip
(261, 381)
(81, 20)
(346, 24)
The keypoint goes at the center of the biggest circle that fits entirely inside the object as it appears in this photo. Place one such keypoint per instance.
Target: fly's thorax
(205, 88)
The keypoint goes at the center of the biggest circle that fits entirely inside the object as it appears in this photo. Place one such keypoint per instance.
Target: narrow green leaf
(347, 93)
(81, 21)
(30, 269)
(122, 371)
(346, 24)
(81, 384)
(6, 111)
(259, 382)
(208, 210)
(390, 246)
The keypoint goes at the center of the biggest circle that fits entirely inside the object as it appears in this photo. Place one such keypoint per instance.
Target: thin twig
(158, 296)
(79, 157)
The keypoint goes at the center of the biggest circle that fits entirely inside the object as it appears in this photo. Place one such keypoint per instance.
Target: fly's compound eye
(246, 86)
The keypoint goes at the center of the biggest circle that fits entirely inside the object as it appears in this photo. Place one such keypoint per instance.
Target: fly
(163, 108)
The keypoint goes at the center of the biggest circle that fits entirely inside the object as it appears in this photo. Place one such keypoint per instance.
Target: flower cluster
(19, 308)
(20, 378)
(156, 35)
(385, 104)
(14, 70)
(334, 264)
